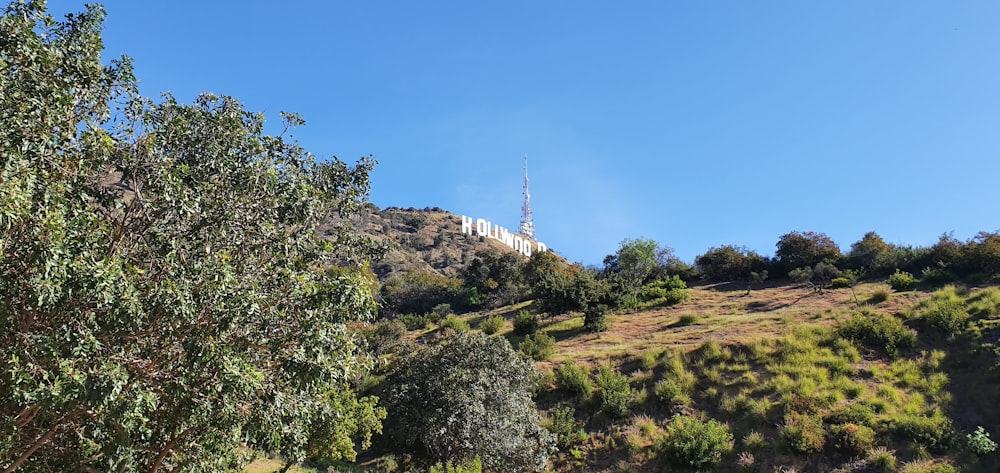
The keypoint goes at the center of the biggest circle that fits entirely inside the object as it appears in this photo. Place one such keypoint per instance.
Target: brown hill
(426, 240)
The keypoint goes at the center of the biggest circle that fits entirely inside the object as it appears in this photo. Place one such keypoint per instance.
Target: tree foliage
(163, 292)
(798, 249)
(868, 251)
(558, 286)
(468, 396)
(496, 275)
(729, 263)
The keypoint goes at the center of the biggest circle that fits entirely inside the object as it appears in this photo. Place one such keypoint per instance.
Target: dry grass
(270, 465)
(726, 316)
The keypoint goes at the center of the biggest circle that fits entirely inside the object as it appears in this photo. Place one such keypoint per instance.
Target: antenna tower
(527, 227)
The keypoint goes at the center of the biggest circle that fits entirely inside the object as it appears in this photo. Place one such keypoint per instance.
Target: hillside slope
(421, 240)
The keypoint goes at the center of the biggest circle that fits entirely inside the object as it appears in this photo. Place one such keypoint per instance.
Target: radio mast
(527, 227)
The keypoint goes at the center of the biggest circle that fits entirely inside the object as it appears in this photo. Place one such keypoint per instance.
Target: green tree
(496, 275)
(798, 249)
(558, 286)
(729, 263)
(867, 251)
(635, 260)
(468, 396)
(419, 293)
(164, 297)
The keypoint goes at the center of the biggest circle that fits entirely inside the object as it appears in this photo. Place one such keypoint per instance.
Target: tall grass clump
(692, 443)
(878, 331)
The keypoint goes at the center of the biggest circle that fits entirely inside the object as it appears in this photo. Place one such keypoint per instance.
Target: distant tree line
(815, 257)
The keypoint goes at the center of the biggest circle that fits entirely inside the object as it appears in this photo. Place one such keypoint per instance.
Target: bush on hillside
(979, 442)
(902, 281)
(383, 336)
(414, 321)
(668, 291)
(525, 323)
(492, 324)
(538, 346)
(803, 433)
(878, 330)
(945, 311)
(852, 438)
(692, 443)
(454, 322)
(562, 422)
(573, 379)
(467, 466)
(595, 319)
(614, 391)
(934, 432)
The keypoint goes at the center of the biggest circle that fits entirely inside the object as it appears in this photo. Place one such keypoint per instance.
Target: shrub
(525, 323)
(949, 317)
(879, 330)
(492, 324)
(382, 336)
(902, 281)
(668, 291)
(670, 392)
(615, 392)
(574, 379)
(564, 425)
(687, 319)
(692, 443)
(979, 442)
(594, 318)
(878, 297)
(945, 311)
(933, 432)
(443, 309)
(538, 346)
(840, 283)
(455, 323)
(413, 321)
(853, 413)
(803, 432)
(852, 438)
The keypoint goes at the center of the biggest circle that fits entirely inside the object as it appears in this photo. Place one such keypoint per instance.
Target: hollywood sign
(484, 228)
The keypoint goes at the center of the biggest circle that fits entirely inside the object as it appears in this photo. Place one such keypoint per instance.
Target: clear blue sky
(695, 124)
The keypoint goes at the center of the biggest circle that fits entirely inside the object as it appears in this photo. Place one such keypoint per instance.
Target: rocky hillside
(428, 240)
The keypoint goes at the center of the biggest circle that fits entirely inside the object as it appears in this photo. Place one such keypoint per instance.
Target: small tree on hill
(798, 249)
(465, 397)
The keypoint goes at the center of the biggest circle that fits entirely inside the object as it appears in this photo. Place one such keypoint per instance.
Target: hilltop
(427, 240)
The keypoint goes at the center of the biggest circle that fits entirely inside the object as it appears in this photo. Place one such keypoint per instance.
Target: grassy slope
(758, 357)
